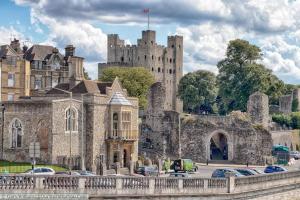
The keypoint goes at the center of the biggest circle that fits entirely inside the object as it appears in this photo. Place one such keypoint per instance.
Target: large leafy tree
(198, 91)
(240, 74)
(137, 80)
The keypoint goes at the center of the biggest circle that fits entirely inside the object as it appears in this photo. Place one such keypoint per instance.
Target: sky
(206, 26)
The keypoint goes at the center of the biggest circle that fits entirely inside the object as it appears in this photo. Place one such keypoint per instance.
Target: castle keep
(165, 63)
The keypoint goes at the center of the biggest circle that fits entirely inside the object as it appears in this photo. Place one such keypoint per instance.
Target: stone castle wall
(165, 63)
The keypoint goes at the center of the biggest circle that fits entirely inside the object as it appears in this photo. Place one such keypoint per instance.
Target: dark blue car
(275, 169)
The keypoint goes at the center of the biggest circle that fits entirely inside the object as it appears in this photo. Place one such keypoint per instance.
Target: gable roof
(85, 86)
(118, 99)
(39, 52)
(7, 50)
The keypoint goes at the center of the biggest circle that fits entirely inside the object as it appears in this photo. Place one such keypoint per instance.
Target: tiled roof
(85, 86)
(118, 99)
(39, 52)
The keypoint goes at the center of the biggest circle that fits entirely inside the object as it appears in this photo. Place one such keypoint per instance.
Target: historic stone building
(98, 123)
(50, 68)
(165, 63)
(239, 138)
(15, 72)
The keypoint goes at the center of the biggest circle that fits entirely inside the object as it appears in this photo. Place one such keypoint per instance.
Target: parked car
(246, 172)
(85, 173)
(147, 170)
(179, 174)
(295, 155)
(274, 169)
(73, 173)
(220, 173)
(185, 165)
(40, 171)
(258, 171)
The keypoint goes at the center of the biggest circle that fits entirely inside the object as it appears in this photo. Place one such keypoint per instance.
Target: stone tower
(165, 63)
(258, 108)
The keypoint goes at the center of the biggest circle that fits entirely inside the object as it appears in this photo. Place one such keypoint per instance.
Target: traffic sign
(34, 150)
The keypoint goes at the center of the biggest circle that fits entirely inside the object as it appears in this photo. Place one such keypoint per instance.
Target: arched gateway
(219, 146)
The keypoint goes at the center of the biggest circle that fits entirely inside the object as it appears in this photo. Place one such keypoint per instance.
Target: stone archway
(222, 142)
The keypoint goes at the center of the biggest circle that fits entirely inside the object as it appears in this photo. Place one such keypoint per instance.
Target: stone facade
(45, 120)
(165, 63)
(15, 73)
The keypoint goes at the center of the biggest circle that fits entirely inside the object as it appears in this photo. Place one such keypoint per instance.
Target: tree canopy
(137, 80)
(240, 75)
(86, 75)
(198, 91)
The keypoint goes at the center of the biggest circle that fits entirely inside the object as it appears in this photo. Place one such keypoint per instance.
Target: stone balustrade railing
(119, 185)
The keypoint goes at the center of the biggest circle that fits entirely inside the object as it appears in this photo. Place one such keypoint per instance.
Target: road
(205, 171)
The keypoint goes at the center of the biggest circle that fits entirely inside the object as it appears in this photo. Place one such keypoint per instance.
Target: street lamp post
(70, 125)
(2, 131)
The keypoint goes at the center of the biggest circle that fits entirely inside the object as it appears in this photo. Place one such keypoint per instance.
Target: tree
(240, 75)
(198, 91)
(86, 75)
(137, 80)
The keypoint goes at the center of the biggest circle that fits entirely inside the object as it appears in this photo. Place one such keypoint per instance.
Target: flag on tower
(146, 10)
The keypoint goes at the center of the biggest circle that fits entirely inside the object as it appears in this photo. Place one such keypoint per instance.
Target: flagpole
(148, 20)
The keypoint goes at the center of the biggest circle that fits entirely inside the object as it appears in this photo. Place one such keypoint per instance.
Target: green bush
(282, 119)
(295, 120)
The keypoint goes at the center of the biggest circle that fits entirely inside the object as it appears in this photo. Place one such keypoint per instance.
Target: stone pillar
(81, 184)
(180, 185)
(230, 181)
(258, 108)
(103, 171)
(131, 167)
(159, 166)
(118, 167)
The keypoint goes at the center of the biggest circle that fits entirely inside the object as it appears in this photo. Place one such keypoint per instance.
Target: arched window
(115, 124)
(71, 119)
(16, 133)
(159, 69)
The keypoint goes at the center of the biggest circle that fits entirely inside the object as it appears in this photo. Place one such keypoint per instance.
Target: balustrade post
(151, 185)
(230, 181)
(81, 183)
(180, 185)
(119, 185)
(205, 184)
(39, 182)
(118, 167)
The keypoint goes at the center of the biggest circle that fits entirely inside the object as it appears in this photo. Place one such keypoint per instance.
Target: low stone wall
(109, 186)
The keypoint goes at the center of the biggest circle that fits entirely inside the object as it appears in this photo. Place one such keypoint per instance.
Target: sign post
(34, 152)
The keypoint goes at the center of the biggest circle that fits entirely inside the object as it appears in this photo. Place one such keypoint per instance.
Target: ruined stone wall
(258, 108)
(289, 138)
(246, 142)
(285, 104)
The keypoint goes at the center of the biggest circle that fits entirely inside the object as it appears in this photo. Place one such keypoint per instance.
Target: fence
(110, 185)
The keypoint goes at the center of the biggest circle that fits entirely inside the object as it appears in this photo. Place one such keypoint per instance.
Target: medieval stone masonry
(165, 63)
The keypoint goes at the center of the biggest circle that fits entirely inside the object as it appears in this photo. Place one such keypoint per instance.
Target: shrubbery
(292, 120)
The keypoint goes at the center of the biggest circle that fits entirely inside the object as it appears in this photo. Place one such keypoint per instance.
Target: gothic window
(158, 58)
(115, 124)
(159, 69)
(172, 45)
(71, 120)
(145, 57)
(170, 60)
(126, 123)
(152, 57)
(138, 58)
(152, 42)
(170, 71)
(152, 69)
(122, 59)
(179, 46)
(16, 133)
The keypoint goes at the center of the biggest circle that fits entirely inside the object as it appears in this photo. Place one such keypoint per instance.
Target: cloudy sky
(206, 25)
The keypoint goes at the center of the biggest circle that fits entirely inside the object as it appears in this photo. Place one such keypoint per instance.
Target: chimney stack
(69, 50)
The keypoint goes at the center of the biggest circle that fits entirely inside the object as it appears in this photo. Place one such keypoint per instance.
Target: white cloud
(7, 34)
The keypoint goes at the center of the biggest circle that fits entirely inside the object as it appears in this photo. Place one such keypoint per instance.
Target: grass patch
(19, 167)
